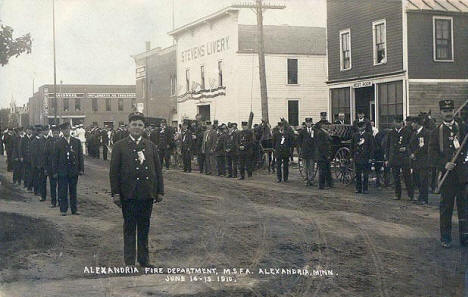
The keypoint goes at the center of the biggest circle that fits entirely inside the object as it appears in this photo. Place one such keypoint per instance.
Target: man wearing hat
(418, 151)
(307, 143)
(397, 154)
(220, 150)
(361, 118)
(36, 159)
(136, 183)
(17, 163)
(69, 165)
(26, 157)
(340, 119)
(232, 154)
(445, 142)
(282, 143)
(207, 147)
(42, 154)
(186, 147)
(51, 153)
(245, 150)
(323, 120)
(362, 150)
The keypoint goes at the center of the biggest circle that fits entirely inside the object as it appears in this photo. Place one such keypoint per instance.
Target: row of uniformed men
(39, 153)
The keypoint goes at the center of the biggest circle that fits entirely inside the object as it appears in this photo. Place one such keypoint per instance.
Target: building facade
(388, 58)
(218, 76)
(156, 82)
(98, 105)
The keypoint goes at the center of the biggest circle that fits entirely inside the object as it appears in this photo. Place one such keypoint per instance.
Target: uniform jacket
(26, 148)
(51, 154)
(232, 142)
(397, 147)
(323, 146)
(419, 146)
(368, 126)
(35, 151)
(246, 142)
(69, 157)
(220, 148)
(132, 179)
(282, 143)
(186, 140)
(208, 141)
(307, 143)
(362, 147)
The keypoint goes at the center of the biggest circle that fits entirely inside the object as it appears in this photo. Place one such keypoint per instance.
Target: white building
(218, 77)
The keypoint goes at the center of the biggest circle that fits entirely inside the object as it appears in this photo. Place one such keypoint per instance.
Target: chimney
(148, 46)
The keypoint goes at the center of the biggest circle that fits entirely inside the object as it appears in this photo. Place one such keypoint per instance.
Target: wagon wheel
(343, 166)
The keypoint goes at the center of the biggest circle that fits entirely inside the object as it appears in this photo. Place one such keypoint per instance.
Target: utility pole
(258, 8)
(55, 68)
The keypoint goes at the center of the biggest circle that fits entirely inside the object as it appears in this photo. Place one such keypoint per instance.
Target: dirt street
(374, 246)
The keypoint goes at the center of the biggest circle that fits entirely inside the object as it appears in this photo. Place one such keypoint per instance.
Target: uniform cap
(245, 123)
(446, 104)
(135, 116)
(323, 113)
(308, 120)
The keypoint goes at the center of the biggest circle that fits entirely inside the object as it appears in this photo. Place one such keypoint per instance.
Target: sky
(95, 39)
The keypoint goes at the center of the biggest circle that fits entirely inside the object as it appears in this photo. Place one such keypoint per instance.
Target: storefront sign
(207, 49)
(363, 84)
(111, 95)
(140, 72)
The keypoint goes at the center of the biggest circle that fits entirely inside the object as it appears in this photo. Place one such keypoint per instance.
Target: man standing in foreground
(136, 183)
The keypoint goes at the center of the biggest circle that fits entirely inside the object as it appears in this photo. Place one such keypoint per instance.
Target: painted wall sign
(210, 48)
(363, 84)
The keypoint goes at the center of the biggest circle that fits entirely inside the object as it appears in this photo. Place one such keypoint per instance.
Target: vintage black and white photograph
(177, 148)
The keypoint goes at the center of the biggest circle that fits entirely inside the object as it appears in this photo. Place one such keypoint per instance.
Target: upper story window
(108, 104)
(66, 104)
(202, 77)
(77, 104)
(120, 104)
(379, 32)
(345, 50)
(94, 104)
(220, 73)
(187, 80)
(292, 71)
(443, 39)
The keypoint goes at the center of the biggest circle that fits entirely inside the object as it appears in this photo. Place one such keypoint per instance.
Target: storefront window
(390, 103)
(341, 104)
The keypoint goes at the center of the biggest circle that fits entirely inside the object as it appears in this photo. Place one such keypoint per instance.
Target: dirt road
(373, 245)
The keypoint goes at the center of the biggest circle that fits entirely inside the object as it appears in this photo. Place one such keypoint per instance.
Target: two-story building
(218, 74)
(399, 57)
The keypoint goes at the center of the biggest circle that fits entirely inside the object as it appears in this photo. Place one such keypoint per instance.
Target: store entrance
(204, 112)
(365, 102)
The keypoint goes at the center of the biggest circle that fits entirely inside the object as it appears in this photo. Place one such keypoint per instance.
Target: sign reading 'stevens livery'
(210, 48)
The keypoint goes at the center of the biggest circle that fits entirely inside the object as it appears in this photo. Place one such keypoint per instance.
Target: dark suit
(51, 153)
(42, 168)
(69, 164)
(246, 143)
(26, 156)
(419, 149)
(368, 125)
(187, 150)
(323, 159)
(35, 163)
(308, 145)
(454, 186)
(17, 163)
(232, 154)
(397, 153)
(138, 183)
(362, 150)
(282, 143)
(220, 152)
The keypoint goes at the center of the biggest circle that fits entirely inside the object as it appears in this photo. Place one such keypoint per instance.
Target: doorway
(365, 102)
(204, 112)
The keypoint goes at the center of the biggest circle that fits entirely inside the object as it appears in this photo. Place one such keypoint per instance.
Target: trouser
(433, 179)
(35, 179)
(53, 190)
(245, 163)
(207, 163)
(164, 156)
(136, 214)
(406, 178)
(284, 163)
(67, 187)
(27, 175)
(104, 152)
(309, 167)
(18, 172)
(83, 147)
(221, 164)
(42, 184)
(9, 161)
(448, 193)
(212, 162)
(325, 177)
(362, 177)
(201, 161)
(421, 176)
(232, 164)
(187, 160)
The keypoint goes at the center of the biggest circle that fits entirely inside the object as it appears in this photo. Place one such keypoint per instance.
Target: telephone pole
(258, 8)
(55, 68)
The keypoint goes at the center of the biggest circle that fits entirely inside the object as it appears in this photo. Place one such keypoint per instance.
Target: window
(220, 73)
(390, 103)
(173, 85)
(95, 105)
(108, 104)
(292, 71)
(379, 32)
(293, 112)
(66, 104)
(340, 103)
(120, 104)
(345, 50)
(77, 104)
(443, 39)
(202, 77)
(187, 80)
(133, 104)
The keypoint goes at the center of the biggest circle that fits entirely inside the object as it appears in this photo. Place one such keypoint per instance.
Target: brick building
(97, 105)
(218, 77)
(397, 57)
(156, 82)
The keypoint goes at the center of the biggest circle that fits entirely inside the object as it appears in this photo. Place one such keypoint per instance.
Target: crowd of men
(413, 149)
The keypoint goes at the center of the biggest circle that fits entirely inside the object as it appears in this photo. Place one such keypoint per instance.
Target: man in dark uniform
(207, 147)
(51, 153)
(220, 151)
(17, 163)
(9, 140)
(307, 142)
(323, 158)
(69, 164)
(282, 144)
(104, 142)
(42, 154)
(340, 120)
(245, 150)
(35, 159)
(26, 157)
(361, 119)
(445, 141)
(186, 147)
(323, 120)
(418, 150)
(136, 183)
(397, 154)
(164, 144)
(362, 149)
(199, 144)
(232, 145)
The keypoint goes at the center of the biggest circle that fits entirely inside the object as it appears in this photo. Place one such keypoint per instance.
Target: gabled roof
(438, 5)
(284, 40)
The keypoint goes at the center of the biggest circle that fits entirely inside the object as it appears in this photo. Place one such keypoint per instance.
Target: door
(204, 112)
